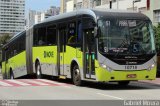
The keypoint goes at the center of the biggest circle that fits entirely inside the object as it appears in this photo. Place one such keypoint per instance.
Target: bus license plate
(131, 76)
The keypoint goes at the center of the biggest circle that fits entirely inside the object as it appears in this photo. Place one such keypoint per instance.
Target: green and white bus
(85, 45)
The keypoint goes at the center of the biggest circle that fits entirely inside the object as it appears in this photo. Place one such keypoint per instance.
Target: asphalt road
(64, 90)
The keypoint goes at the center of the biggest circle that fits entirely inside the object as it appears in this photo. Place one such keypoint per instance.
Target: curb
(157, 81)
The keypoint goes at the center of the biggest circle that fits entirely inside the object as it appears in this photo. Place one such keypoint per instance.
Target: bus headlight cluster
(103, 65)
(151, 67)
(106, 67)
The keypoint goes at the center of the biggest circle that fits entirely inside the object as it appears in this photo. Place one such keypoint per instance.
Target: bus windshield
(121, 37)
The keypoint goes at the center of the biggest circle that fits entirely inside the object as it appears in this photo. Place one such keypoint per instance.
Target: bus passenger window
(51, 35)
(41, 42)
(79, 39)
(35, 37)
(71, 39)
(42, 36)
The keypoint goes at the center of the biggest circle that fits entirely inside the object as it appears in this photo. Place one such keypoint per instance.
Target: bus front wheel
(76, 76)
(38, 71)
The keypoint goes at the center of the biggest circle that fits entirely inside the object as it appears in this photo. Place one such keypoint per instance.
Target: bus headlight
(151, 67)
(106, 67)
(103, 65)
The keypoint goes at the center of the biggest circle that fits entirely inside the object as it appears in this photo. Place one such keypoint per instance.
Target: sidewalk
(157, 81)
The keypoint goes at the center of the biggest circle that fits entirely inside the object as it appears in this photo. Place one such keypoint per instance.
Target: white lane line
(110, 96)
(35, 82)
(19, 82)
(4, 84)
(52, 82)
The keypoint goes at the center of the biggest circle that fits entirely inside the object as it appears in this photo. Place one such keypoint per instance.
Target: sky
(41, 5)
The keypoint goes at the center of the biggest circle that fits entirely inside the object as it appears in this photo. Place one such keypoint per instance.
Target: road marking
(2, 83)
(19, 82)
(35, 82)
(52, 82)
(30, 82)
(110, 96)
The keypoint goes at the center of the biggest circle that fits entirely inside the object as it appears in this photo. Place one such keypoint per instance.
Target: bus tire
(11, 76)
(38, 71)
(76, 76)
(123, 83)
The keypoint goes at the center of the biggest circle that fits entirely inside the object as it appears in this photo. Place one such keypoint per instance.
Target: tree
(157, 37)
(3, 40)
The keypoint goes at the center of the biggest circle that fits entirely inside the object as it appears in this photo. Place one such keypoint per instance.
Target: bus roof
(97, 13)
(119, 14)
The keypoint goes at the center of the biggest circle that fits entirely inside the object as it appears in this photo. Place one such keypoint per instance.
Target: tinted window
(51, 35)
(71, 39)
(79, 32)
(42, 36)
(17, 46)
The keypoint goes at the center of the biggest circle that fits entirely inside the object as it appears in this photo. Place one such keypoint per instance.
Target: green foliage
(3, 40)
(157, 37)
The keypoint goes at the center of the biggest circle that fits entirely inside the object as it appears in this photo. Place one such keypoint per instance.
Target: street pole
(110, 4)
(117, 4)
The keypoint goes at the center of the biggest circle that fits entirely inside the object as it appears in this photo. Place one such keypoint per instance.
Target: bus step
(62, 77)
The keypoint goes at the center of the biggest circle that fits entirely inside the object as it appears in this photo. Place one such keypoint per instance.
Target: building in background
(64, 5)
(151, 8)
(30, 18)
(70, 5)
(42, 16)
(35, 17)
(153, 11)
(12, 16)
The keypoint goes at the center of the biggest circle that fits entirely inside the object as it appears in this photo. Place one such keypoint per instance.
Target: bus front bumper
(125, 75)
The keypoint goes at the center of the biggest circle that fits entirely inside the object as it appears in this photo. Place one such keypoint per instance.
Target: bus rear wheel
(123, 83)
(76, 76)
(38, 71)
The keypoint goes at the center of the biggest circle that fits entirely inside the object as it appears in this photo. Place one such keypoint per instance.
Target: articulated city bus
(85, 45)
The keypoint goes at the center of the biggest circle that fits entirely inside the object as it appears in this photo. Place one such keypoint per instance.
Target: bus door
(61, 50)
(89, 53)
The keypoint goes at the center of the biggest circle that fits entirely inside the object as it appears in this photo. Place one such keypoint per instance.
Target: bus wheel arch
(75, 73)
(38, 69)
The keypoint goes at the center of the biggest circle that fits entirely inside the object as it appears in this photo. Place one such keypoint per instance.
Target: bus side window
(79, 32)
(71, 39)
(51, 35)
(35, 37)
(42, 36)
(15, 52)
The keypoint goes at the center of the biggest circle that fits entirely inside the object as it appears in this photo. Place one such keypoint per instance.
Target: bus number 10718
(128, 67)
